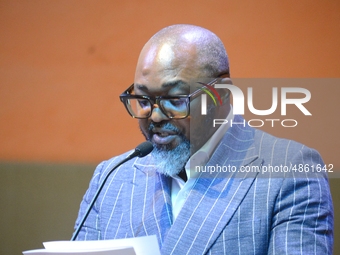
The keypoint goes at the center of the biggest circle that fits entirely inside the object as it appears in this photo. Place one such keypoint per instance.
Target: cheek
(143, 125)
(185, 127)
(201, 127)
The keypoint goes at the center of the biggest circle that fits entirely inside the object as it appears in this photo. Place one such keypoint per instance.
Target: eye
(177, 102)
(143, 103)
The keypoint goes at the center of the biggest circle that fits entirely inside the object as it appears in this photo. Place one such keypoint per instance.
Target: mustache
(167, 126)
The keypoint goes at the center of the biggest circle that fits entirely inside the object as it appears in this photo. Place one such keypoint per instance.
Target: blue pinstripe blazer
(225, 213)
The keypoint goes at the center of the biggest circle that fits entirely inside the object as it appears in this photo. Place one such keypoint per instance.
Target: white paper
(119, 251)
(145, 245)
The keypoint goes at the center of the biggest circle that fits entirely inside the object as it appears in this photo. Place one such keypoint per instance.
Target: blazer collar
(151, 212)
(215, 197)
(211, 203)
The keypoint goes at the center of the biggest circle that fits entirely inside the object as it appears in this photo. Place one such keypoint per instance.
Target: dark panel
(39, 202)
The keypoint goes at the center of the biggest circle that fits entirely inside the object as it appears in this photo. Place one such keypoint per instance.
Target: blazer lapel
(214, 197)
(150, 212)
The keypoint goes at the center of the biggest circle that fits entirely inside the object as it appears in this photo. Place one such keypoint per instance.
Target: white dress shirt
(180, 189)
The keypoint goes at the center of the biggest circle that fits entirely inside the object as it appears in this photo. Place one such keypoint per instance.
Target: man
(170, 194)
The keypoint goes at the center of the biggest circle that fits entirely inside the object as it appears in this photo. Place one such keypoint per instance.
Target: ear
(225, 93)
(226, 80)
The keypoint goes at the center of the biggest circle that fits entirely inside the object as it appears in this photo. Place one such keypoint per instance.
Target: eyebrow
(171, 84)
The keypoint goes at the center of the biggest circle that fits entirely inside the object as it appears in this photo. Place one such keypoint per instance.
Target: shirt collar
(202, 156)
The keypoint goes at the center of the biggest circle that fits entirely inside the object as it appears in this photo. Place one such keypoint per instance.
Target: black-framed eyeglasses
(173, 107)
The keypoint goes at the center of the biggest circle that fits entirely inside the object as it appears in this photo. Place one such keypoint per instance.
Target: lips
(163, 136)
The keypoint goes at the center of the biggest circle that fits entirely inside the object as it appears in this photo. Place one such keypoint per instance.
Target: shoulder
(271, 150)
(122, 171)
(264, 144)
(274, 147)
(282, 157)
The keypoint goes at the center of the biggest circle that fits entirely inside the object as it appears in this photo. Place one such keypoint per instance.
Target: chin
(171, 158)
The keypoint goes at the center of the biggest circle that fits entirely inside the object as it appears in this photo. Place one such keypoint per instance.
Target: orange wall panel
(64, 63)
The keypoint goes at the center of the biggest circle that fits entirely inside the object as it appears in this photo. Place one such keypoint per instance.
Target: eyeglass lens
(172, 108)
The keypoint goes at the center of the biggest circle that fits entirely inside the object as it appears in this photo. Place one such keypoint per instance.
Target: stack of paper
(145, 245)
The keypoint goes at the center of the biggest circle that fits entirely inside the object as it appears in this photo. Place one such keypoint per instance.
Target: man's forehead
(166, 53)
(156, 53)
(167, 85)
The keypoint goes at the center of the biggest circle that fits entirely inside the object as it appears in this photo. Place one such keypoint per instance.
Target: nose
(157, 115)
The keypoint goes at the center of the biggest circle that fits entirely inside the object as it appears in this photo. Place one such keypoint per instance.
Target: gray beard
(171, 162)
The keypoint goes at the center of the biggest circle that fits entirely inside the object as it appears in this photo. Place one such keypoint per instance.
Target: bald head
(173, 63)
(182, 40)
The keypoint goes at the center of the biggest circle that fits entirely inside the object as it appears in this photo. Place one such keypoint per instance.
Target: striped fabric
(241, 212)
